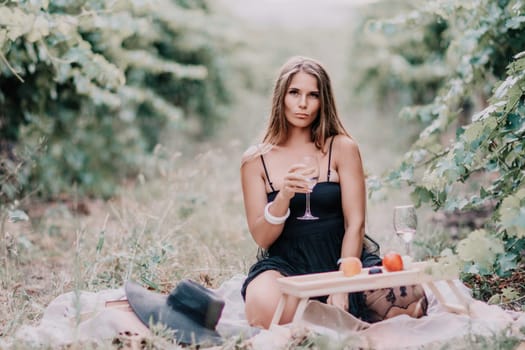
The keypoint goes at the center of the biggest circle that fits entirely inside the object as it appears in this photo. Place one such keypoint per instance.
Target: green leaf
(66, 25)
(17, 216)
(3, 38)
(506, 262)
(512, 213)
(5, 16)
(473, 132)
(503, 88)
(421, 195)
(454, 203)
(489, 110)
(509, 294)
(515, 121)
(471, 268)
(515, 22)
(100, 242)
(513, 96)
(481, 249)
(39, 30)
(149, 283)
(447, 265)
(17, 22)
(495, 299)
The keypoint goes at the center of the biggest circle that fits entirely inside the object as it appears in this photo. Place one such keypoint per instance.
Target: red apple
(393, 262)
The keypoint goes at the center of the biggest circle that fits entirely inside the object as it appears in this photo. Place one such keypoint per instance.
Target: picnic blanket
(84, 317)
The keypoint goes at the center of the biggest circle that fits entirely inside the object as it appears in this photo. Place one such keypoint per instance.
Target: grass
(188, 223)
(183, 216)
(182, 220)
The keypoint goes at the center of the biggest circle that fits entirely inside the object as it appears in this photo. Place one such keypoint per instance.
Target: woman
(303, 121)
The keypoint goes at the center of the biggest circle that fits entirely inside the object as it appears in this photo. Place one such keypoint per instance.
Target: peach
(351, 266)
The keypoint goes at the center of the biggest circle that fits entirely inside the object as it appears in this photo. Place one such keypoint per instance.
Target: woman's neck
(299, 139)
(298, 136)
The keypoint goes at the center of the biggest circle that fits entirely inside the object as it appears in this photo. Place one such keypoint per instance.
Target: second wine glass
(405, 224)
(311, 172)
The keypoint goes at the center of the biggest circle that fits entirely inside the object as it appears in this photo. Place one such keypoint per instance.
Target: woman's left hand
(339, 300)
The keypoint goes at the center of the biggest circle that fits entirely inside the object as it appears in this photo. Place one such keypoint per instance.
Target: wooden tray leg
(461, 309)
(280, 308)
(464, 301)
(300, 310)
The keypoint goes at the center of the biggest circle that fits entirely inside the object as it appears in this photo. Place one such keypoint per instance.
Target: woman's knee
(262, 297)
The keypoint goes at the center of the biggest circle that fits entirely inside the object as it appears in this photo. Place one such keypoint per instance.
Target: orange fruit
(393, 262)
(351, 266)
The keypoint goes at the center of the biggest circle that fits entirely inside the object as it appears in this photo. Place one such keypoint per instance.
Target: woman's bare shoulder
(345, 143)
(254, 152)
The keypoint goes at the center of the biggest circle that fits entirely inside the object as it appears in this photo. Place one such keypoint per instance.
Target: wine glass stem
(407, 246)
(308, 204)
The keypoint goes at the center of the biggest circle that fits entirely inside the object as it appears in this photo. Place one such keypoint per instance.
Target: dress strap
(329, 159)
(266, 172)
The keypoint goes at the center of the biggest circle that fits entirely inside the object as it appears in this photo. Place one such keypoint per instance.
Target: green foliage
(463, 160)
(15, 169)
(480, 248)
(406, 66)
(100, 81)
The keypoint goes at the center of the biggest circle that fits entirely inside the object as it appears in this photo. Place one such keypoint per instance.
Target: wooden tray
(335, 282)
(326, 283)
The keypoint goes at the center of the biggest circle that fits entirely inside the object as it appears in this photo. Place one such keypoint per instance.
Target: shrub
(469, 158)
(100, 81)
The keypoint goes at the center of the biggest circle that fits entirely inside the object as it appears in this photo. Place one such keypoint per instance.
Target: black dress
(312, 246)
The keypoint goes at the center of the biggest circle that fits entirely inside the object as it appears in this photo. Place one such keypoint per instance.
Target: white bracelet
(275, 220)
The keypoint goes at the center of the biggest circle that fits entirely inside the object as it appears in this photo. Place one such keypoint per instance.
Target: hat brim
(151, 308)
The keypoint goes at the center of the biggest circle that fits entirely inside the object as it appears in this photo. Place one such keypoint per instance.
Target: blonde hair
(327, 122)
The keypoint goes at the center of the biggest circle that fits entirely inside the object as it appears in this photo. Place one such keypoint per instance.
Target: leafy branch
(483, 52)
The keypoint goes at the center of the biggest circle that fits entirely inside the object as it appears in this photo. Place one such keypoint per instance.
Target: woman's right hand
(294, 181)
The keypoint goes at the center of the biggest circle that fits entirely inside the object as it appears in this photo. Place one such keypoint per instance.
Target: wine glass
(311, 172)
(405, 224)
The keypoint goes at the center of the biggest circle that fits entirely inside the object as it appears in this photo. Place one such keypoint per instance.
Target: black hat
(191, 310)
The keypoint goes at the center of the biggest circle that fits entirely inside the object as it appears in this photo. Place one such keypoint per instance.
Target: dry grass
(184, 220)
